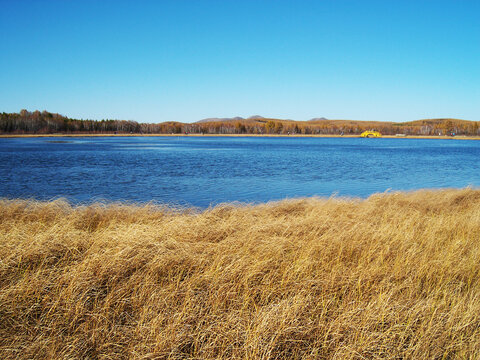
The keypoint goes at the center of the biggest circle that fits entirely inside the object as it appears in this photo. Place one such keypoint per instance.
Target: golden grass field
(393, 276)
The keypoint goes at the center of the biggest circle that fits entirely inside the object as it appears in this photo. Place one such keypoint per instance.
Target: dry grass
(393, 276)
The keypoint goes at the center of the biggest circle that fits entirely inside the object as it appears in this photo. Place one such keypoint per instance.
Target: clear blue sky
(154, 61)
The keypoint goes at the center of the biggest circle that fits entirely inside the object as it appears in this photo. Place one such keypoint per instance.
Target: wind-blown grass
(393, 276)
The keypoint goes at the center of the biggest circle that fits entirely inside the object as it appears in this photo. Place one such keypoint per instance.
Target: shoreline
(192, 209)
(442, 137)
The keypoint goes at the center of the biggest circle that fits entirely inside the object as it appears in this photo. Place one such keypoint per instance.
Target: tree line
(36, 122)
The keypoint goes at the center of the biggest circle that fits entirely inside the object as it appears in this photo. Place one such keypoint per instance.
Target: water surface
(203, 171)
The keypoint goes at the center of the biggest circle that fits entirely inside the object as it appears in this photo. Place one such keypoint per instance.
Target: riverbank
(460, 137)
(393, 276)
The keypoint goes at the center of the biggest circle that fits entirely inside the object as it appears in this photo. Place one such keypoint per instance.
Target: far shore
(441, 137)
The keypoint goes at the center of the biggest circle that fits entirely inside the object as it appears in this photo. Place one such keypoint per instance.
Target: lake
(203, 171)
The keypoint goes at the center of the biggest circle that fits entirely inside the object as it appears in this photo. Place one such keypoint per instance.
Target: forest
(44, 122)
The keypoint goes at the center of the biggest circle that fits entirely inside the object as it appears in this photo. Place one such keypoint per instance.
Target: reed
(393, 276)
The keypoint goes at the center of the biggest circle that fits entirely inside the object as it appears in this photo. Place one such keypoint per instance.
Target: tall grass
(393, 276)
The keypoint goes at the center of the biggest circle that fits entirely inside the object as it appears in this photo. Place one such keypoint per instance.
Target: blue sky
(155, 61)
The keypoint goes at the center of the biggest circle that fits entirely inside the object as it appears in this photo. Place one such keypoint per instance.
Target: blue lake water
(203, 171)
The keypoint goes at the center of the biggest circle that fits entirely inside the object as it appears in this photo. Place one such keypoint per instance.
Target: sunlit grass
(393, 276)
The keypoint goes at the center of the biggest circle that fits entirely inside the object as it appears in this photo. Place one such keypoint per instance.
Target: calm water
(201, 171)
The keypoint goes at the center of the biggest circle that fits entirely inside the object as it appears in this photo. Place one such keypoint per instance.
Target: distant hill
(36, 122)
(433, 122)
(236, 118)
(207, 120)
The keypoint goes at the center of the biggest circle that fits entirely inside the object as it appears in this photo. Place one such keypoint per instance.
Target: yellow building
(371, 133)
